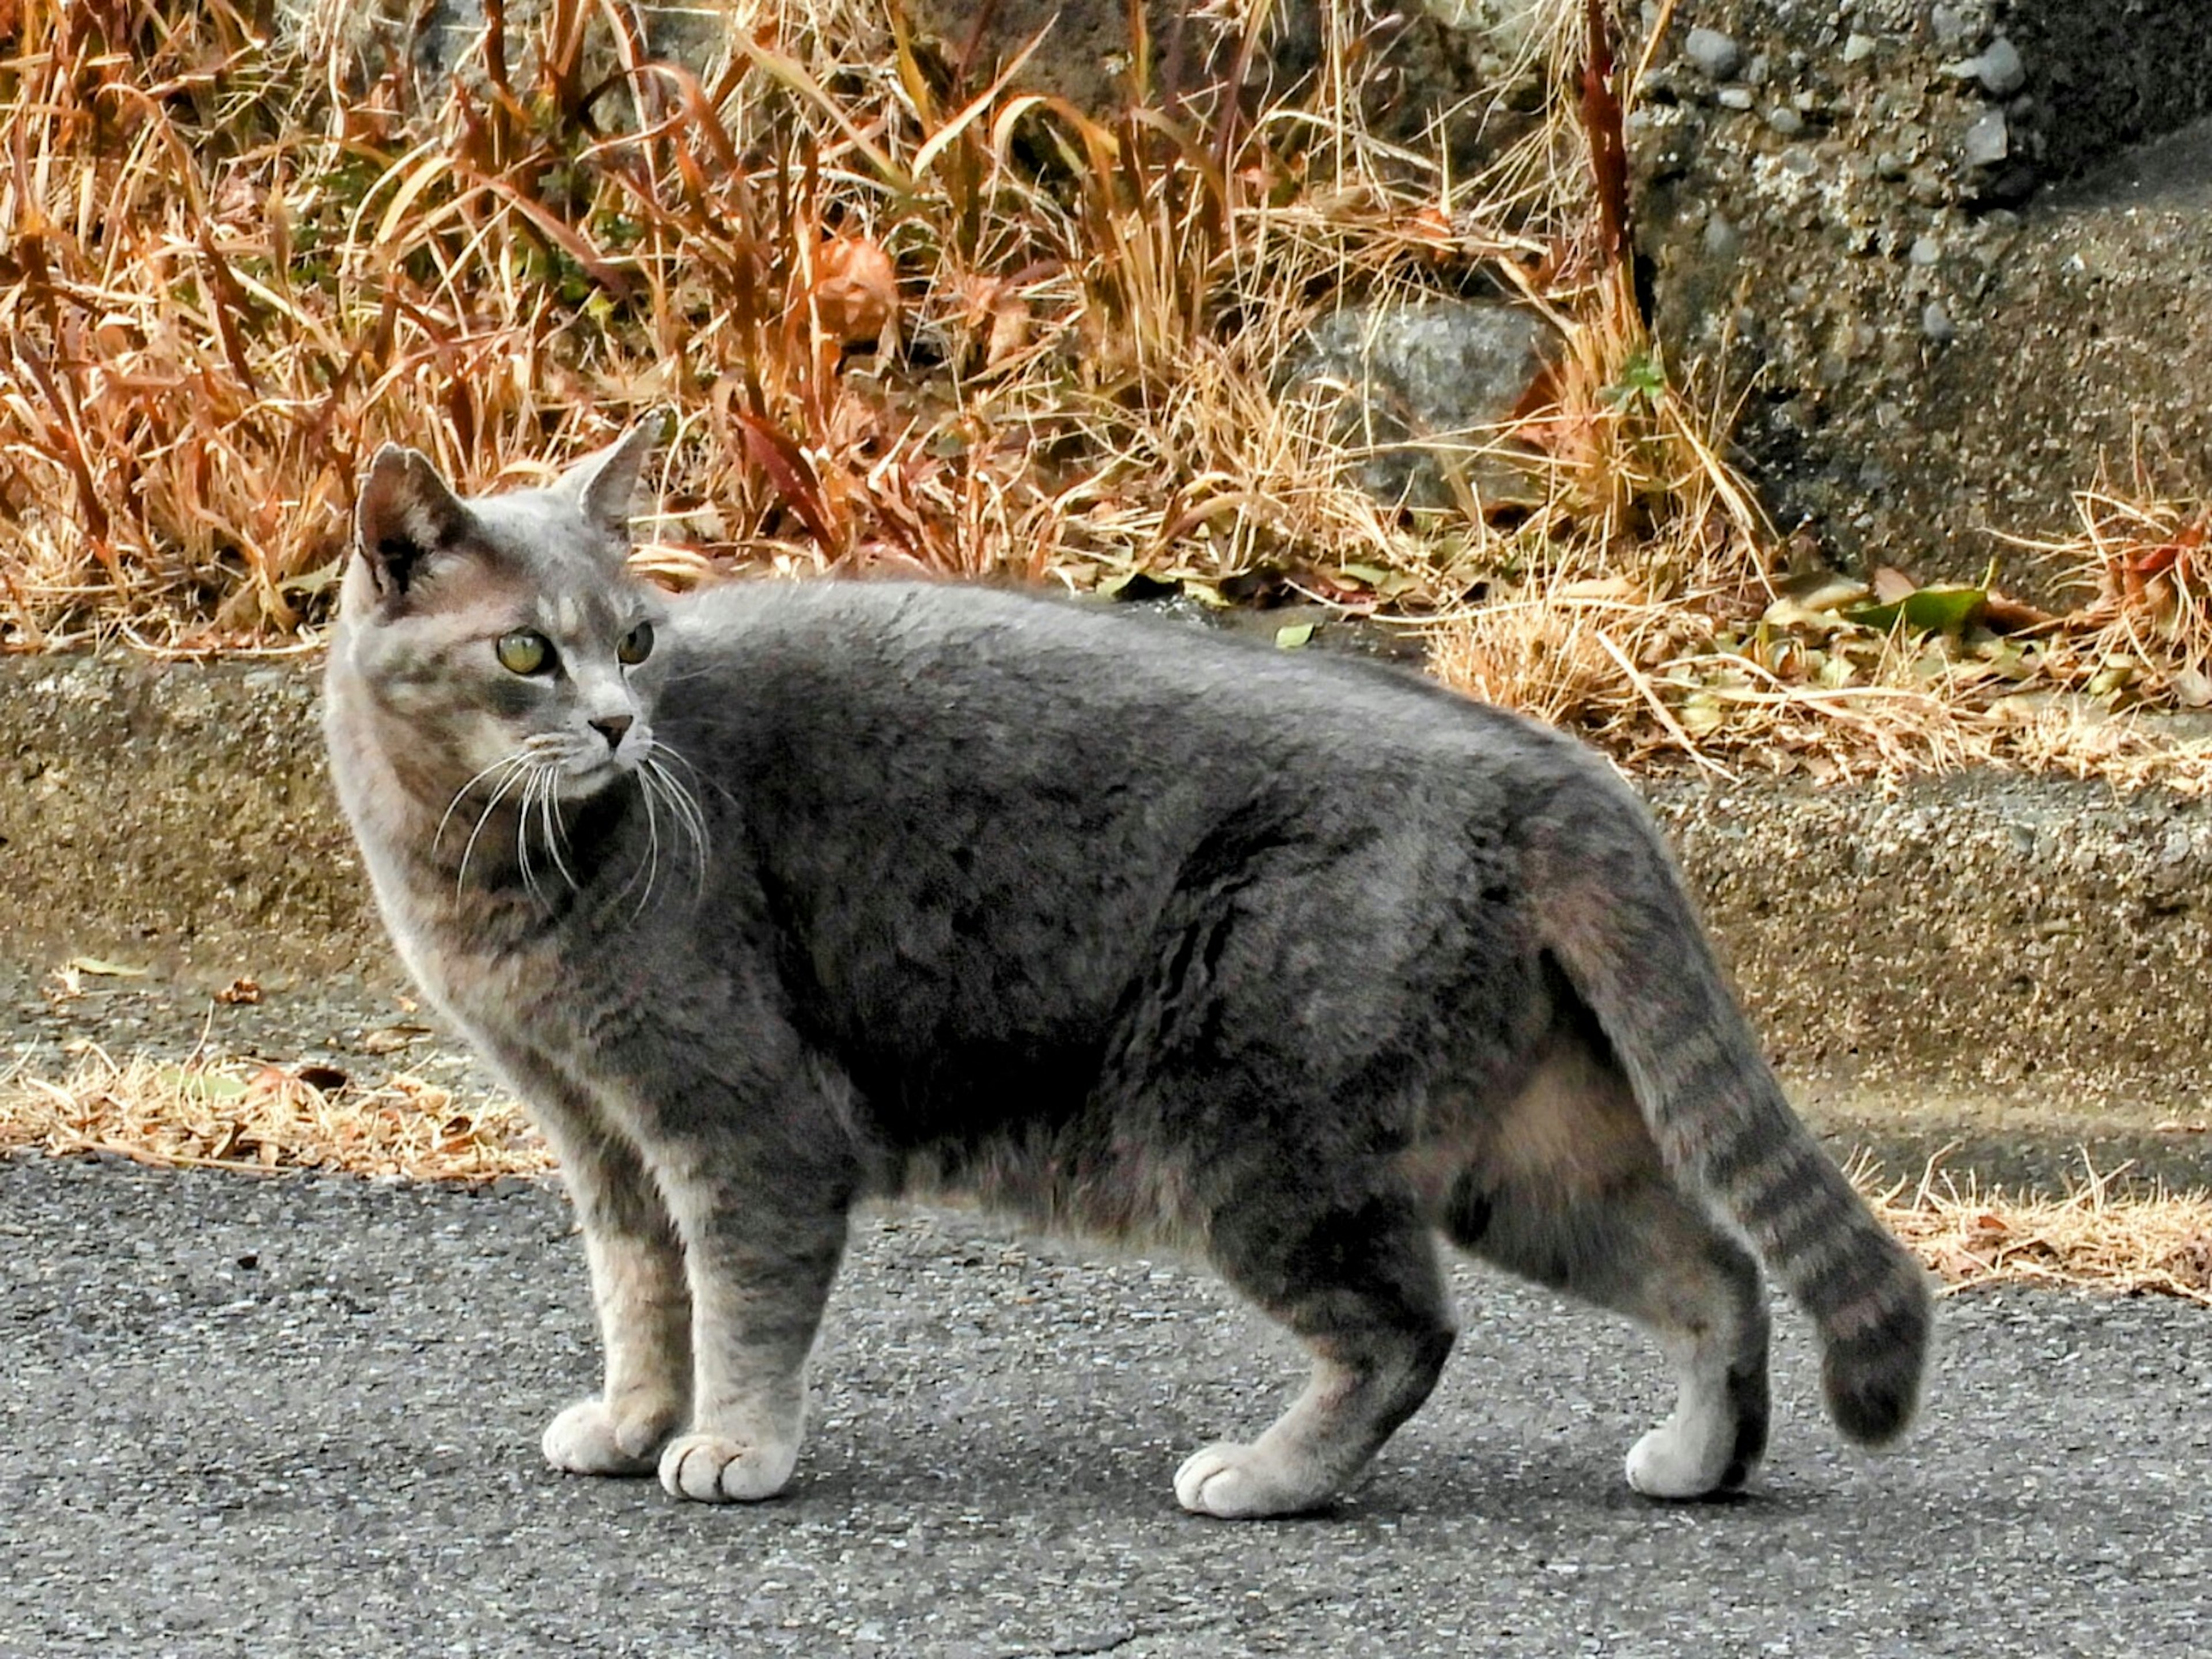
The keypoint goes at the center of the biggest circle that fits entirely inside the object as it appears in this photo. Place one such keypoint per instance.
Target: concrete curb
(2034, 945)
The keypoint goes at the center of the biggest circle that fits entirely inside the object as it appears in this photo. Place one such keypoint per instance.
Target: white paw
(588, 1438)
(708, 1468)
(1670, 1462)
(1237, 1482)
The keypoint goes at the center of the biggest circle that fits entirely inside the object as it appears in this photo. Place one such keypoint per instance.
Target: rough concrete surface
(1953, 251)
(294, 1416)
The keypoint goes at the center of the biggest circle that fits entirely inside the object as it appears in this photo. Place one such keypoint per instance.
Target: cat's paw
(709, 1468)
(1674, 1462)
(1237, 1482)
(592, 1438)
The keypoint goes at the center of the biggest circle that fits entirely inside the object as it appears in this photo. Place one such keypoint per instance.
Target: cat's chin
(592, 779)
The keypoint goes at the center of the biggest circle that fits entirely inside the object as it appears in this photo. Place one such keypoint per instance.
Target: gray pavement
(300, 1416)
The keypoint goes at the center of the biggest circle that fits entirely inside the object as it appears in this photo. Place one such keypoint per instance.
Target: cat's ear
(407, 515)
(603, 483)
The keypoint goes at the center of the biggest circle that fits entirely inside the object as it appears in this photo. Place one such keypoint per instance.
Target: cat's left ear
(603, 483)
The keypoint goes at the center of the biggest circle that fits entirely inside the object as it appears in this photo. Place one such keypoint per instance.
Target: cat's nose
(611, 727)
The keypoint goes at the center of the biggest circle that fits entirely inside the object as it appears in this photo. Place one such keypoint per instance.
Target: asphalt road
(300, 1416)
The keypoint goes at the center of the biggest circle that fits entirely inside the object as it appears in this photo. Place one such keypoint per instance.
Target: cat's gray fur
(855, 891)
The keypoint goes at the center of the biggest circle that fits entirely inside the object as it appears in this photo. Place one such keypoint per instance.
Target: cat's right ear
(407, 516)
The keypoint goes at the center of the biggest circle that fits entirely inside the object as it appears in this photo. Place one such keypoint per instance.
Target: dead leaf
(240, 991)
(1891, 586)
(855, 291)
(106, 969)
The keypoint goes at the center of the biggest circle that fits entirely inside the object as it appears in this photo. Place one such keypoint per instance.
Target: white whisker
(461, 793)
(689, 818)
(556, 830)
(522, 833)
(520, 772)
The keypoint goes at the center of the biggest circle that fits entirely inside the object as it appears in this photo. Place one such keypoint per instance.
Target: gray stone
(1988, 141)
(1925, 251)
(1738, 98)
(1999, 70)
(1785, 120)
(436, 40)
(1713, 52)
(1949, 26)
(1425, 388)
(1858, 48)
(1936, 323)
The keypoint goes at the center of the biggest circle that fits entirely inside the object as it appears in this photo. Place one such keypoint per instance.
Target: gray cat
(775, 898)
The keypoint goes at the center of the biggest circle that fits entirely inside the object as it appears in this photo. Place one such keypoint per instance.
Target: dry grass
(248, 1116)
(2106, 1232)
(210, 1113)
(910, 317)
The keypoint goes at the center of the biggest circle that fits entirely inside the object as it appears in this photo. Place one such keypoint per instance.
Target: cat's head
(504, 633)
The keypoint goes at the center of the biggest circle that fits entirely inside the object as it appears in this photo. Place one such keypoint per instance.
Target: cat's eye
(524, 651)
(636, 645)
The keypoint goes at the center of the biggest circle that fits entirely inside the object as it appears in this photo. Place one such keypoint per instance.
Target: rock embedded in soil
(1713, 52)
(1425, 388)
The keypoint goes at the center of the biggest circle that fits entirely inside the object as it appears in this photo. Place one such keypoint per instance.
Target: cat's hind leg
(1357, 1281)
(1572, 1193)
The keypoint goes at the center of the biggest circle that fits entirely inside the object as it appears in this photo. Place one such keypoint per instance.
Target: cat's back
(915, 654)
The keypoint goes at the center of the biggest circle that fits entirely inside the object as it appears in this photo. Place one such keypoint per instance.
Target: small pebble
(1988, 141)
(1785, 120)
(1722, 239)
(1858, 48)
(1734, 97)
(1999, 68)
(1925, 251)
(1950, 28)
(1936, 323)
(1713, 52)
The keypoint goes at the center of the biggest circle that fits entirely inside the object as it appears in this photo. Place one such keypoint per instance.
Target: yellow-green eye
(524, 651)
(636, 645)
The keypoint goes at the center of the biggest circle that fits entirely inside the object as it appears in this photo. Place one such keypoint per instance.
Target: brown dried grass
(906, 319)
(2106, 1232)
(912, 318)
(207, 1112)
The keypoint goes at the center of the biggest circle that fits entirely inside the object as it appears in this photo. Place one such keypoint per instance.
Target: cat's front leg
(645, 1326)
(760, 1263)
(638, 1287)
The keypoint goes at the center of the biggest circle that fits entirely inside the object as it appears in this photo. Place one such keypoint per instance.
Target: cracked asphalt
(272, 1417)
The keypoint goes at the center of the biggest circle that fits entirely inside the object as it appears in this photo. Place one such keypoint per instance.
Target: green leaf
(1291, 638)
(210, 1088)
(1925, 610)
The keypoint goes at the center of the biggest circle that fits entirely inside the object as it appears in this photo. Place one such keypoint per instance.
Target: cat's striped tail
(1620, 925)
